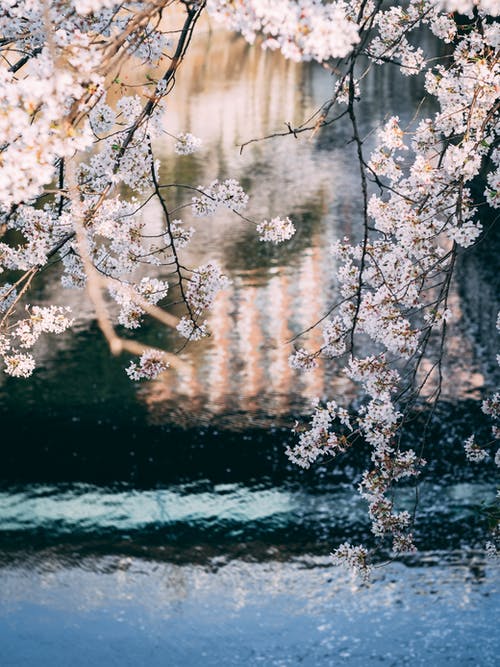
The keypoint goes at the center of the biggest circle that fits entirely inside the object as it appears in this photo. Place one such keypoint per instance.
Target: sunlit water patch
(227, 517)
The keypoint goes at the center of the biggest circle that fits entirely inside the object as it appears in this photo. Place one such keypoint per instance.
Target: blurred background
(161, 523)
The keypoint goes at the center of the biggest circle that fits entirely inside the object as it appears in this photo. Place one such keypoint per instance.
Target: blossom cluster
(320, 439)
(26, 332)
(276, 230)
(133, 300)
(77, 164)
(187, 143)
(302, 29)
(473, 451)
(151, 363)
(229, 193)
(394, 284)
(205, 283)
(73, 137)
(303, 360)
(192, 330)
(355, 557)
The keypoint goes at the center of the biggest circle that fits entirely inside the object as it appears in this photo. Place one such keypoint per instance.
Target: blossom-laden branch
(73, 136)
(394, 284)
(59, 126)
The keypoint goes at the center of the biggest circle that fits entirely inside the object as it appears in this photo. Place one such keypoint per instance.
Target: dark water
(161, 524)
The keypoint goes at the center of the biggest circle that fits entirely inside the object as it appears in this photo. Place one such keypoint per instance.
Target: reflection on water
(127, 500)
(230, 93)
(276, 292)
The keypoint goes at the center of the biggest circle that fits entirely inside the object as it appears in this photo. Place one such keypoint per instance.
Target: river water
(161, 524)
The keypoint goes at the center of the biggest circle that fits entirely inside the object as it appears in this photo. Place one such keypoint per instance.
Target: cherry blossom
(79, 161)
(276, 230)
(187, 143)
(151, 364)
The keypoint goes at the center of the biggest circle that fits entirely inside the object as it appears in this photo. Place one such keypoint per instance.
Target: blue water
(302, 612)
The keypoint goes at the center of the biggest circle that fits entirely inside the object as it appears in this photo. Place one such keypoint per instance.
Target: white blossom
(276, 230)
(187, 143)
(192, 330)
(473, 451)
(229, 193)
(301, 29)
(205, 283)
(353, 557)
(301, 359)
(180, 234)
(491, 549)
(151, 364)
(19, 365)
(102, 118)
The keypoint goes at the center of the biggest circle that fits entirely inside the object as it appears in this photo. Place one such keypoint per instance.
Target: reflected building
(229, 93)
